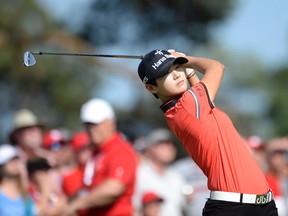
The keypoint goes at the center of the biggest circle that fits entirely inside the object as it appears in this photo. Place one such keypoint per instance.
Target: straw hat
(23, 118)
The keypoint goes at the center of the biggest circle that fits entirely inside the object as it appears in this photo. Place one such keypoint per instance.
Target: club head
(29, 59)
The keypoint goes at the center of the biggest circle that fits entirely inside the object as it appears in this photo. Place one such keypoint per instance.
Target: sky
(259, 27)
(255, 26)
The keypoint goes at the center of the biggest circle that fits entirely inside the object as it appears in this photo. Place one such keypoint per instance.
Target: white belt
(242, 198)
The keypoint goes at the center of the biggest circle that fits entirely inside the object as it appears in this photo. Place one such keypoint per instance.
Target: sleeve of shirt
(197, 101)
(123, 166)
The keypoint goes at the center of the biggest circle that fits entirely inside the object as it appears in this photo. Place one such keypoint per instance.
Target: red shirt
(274, 183)
(115, 160)
(210, 138)
(72, 183)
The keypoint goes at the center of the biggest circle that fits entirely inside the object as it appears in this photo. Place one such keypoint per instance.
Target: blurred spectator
(257, 148)
(48, 200)
(109, 174)
(73, 185)
(139, 145)
(14, 196)
(277, 172)
(56, 142)
(151, 204)
(196, 187)
(27, 134)
(154, 174)
(61, 157)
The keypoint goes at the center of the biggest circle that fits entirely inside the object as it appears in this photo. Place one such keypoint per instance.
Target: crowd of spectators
(97, 171)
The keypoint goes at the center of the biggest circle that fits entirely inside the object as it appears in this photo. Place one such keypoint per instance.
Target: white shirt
(168, 185)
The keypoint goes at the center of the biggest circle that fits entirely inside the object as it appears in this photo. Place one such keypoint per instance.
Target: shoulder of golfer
(213, 72)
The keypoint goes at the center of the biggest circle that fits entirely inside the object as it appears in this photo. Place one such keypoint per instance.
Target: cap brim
(165, 69)
(90, 122)
(180, 60)
(154, 200)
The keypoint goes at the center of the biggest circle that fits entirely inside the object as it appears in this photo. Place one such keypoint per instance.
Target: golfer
(237, 184)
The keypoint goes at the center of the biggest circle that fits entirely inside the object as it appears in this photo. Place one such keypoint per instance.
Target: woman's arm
(213, 72)
(191, 76)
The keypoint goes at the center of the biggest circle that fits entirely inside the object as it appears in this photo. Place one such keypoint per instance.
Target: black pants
(222, 208)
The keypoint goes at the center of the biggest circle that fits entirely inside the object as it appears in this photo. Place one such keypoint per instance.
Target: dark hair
(37, 165)
(153, 82)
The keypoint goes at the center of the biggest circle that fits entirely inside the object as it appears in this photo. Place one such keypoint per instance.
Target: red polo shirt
(72, 182)
(72, 185)
(210, 138)
(115, 160)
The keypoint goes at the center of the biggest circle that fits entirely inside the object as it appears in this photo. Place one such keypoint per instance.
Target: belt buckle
(263, 199)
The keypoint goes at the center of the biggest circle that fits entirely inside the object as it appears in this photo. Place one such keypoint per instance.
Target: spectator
(277, 173)
(49, 201)
(14, 196)
(155, 175)
(73, 185)
(257, 147)
(58, 144)
(109, 174)
(196, 188)
(61, 158)
(27, 134)
(152, 204)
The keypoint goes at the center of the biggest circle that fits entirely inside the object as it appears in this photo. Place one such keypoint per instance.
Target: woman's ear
(151, 88)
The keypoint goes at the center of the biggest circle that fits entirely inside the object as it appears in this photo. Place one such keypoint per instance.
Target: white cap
(96, 111)
(7, 152)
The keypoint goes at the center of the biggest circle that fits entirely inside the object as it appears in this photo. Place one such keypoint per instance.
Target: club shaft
(86, 54)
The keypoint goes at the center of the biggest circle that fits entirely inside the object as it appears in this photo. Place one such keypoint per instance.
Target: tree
(54, 89)
(277, 88)
(146, 20)
(58, 86)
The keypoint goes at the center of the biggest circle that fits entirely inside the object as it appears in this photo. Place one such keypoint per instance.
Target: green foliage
(277, 87)
(55, 87)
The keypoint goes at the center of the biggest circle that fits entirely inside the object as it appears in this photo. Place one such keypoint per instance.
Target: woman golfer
(237, 184)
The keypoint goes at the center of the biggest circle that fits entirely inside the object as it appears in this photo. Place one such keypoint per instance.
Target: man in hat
(27, 134)
(109, 174)
(72, 182)
(151, 204)
(237, 184)
(154, 173)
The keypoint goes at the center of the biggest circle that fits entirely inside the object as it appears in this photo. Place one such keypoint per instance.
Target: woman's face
(172, 84)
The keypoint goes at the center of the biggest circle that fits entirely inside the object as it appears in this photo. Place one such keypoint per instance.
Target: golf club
(30, 60)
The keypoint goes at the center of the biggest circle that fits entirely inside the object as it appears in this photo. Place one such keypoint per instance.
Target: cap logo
(158, 52)
(145, 79)
(159, 62)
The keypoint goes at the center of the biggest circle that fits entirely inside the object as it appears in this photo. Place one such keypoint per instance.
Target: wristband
(189, 72)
